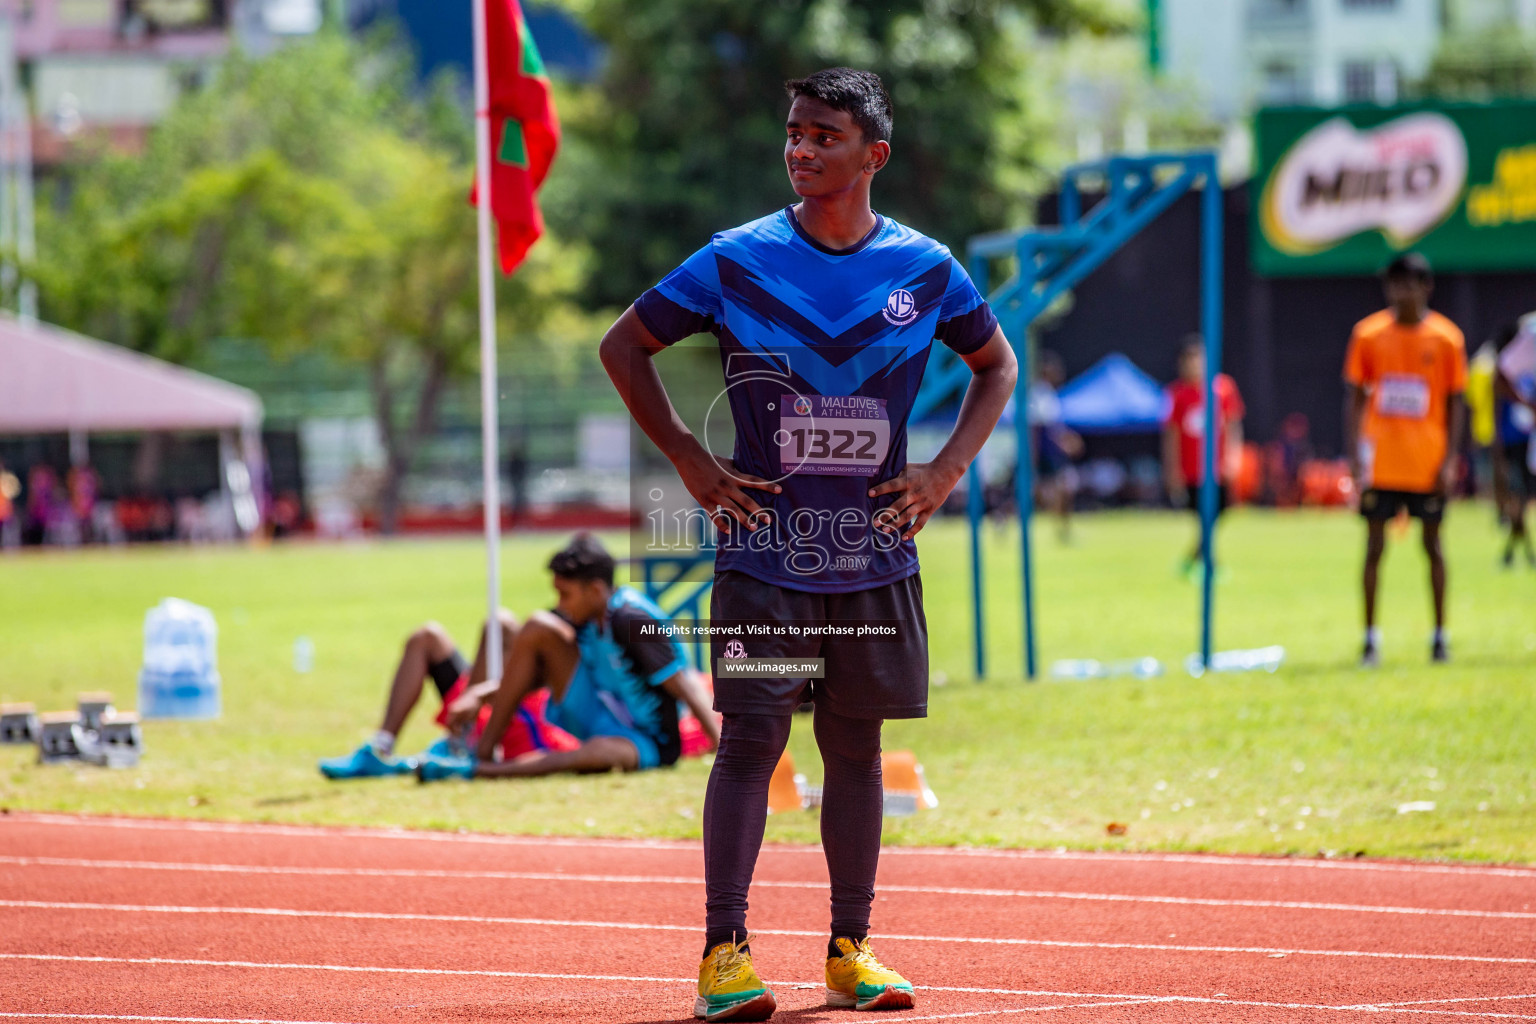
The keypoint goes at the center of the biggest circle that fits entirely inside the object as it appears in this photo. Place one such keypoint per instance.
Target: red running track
(116, 919)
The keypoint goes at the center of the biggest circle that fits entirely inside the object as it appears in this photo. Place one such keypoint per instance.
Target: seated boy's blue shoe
(434, 769)
(363, 763)
(442, 748)
(447, 747)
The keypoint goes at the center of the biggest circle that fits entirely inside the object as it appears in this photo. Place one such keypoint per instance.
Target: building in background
(1328, 52)
(1244, 54)
(1200, 41)
(107, 70)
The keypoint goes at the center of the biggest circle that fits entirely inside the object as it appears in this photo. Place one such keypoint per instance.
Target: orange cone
(902, 774)
(783, 794)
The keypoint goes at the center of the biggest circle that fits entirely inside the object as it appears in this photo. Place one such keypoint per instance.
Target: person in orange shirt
(1405, 375)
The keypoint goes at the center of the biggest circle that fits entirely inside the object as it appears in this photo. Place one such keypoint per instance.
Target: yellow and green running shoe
(859, 980)
(729, 988)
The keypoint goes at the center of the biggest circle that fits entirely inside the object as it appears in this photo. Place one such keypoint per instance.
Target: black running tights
(736, 809)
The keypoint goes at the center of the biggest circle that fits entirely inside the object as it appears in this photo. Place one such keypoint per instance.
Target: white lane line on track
(1349, 1009)
(544, 922)
(562, 876)
(344, 832)
(679, 880)
(1164, 1000)
(131, 1016)
(447, 972)
(162, 961)
(1453, 999)
(1029, 1009)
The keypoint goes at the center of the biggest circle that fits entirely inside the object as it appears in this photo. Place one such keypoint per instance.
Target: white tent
(56, 381)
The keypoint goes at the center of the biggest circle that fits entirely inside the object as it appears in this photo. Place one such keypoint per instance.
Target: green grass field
(1317, 757)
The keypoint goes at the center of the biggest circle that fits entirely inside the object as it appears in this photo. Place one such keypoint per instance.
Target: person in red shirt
(1184, 435)
(1405, 375)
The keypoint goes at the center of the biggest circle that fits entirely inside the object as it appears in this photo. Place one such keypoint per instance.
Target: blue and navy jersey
(626, 657)
(1513, 421)
(823, 351)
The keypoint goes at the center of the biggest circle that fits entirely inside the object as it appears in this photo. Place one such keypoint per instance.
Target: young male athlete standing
(1184, 437)
(1405, 374)
(1515, 405)
(825, 314)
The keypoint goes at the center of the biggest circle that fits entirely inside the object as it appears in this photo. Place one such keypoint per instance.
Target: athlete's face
(825, 152)
(581, 600)
(1192, 366)
(1408, 295)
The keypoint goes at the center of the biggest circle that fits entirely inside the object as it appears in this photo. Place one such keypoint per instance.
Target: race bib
(1194, 421)
(1402, 396)
(832, 435)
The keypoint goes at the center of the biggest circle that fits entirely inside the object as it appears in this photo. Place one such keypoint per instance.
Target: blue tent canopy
(1113, 396)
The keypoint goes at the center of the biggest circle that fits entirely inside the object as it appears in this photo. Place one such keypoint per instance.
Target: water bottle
(1267, 659)
(1141, 668)
(1078, 668)
(180, 676)
(303, 654)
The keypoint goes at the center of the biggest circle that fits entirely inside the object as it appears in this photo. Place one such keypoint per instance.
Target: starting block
(18, 723)
(117, 741)
(96, 733)
(93, 705)
(58, 738)
(906, 790)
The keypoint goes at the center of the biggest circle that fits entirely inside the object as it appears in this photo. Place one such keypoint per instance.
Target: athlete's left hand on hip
(920, 490)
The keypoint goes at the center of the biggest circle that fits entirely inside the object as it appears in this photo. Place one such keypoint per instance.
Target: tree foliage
(1497, 62)
(688, 137)
(311, 199)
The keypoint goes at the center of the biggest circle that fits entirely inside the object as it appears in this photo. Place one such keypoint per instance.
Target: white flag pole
(488, 433)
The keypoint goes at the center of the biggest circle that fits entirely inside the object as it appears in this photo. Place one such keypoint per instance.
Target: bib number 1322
(842, 435)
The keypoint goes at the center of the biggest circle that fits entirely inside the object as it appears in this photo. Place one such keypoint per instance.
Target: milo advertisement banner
(1340, 191)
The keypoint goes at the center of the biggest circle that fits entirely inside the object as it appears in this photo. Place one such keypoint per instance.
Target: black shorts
(1379, 506)
(447, 672)
(880, 676)
(1192, 499)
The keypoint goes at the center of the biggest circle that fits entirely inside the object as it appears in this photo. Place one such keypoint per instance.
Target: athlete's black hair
(1410, 265)
(584, 558)
(1190, 344)
(860, 94)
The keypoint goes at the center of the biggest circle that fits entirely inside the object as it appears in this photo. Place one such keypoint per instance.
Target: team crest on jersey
(735, 649)
(802, 406)
(900, 308)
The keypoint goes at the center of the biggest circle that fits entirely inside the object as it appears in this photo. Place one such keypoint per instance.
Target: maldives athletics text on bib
(1402, 396)
(832, 435)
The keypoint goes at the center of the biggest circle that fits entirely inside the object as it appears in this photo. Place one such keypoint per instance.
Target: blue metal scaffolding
(661, 575)
(1050, 261)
